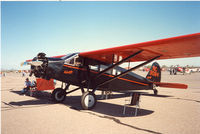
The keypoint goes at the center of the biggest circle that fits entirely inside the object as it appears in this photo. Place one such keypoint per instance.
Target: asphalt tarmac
(173, 111)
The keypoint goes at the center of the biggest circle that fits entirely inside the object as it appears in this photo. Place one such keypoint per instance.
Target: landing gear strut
(155, 92)
(88, 98)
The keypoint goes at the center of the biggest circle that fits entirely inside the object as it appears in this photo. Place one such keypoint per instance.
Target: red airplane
(99, 70)
(183, 70)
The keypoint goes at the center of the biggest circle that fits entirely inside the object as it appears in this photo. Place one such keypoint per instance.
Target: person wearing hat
(27, 86)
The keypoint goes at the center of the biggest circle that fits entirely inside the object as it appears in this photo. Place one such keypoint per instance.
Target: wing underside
(175, 47)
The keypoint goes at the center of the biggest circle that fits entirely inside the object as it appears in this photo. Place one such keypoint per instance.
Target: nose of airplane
(39, 65)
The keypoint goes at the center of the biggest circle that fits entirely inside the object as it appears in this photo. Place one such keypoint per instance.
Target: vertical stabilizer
(154, 73)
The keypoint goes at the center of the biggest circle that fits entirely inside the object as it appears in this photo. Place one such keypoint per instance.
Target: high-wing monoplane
(100, 70)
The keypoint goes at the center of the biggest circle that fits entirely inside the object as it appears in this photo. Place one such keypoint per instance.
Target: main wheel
(58, 95)
(88, 100)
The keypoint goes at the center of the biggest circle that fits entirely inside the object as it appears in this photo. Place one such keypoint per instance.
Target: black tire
(88, 100)
(58, 95)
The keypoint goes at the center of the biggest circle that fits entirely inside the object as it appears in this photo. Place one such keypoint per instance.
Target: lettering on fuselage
(154, 72)
(68, 72)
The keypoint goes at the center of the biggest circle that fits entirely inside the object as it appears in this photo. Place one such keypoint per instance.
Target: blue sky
(57, 28)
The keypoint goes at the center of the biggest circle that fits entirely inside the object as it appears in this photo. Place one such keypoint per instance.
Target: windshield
(68, 56)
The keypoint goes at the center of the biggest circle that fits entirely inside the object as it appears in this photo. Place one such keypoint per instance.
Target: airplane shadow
(42, 99)
(106, 108)
(73, 102)
(102, 110)
(196, 92)
(192, 100)
(38, 103)
(162, 96)
(38, 95)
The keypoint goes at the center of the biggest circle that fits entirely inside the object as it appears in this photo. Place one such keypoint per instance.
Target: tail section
(155, 76)
(154, 73)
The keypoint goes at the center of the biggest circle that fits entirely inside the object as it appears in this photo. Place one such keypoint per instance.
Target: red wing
(175, 47)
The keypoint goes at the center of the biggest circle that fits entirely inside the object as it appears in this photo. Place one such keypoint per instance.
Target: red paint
(43, 84)
(175, 47)
(68, 72)
(171, 85)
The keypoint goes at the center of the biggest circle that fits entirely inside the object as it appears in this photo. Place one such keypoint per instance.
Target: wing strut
(127, 71)
(118, 63)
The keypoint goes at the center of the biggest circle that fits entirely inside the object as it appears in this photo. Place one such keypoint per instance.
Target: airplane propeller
(37, 61)
(32, 63)
(38, 65)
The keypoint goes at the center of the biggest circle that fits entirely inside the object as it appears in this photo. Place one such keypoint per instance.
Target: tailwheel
(58, 95)
(155, 92)
(88, 100)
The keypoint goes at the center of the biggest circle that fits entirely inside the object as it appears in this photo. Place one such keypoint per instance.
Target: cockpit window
(95, 68)
(73, 60)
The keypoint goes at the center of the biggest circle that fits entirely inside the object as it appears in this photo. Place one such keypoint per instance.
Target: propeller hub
(39, 65)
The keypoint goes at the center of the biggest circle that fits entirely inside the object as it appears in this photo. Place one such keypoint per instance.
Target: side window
(95, 68)
(118, 72)
(113, 72)
(78, 61)
(102, 67)
(109, 72)
(71, 61)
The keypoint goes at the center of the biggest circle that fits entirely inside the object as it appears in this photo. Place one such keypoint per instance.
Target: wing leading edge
(174, 47)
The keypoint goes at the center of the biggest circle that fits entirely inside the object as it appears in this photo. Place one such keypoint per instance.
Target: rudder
(154, 73)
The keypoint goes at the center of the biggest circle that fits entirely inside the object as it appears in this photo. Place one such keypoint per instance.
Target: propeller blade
(33, 63)
(23, 63)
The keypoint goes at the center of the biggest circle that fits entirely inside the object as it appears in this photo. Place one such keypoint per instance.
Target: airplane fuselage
(85, 76)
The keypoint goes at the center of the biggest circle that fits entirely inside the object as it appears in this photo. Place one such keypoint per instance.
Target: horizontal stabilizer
(171, 85)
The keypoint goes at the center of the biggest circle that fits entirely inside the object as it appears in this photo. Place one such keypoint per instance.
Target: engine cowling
(40, 70)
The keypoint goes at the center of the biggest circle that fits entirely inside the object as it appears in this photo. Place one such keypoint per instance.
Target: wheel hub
(89, 101)
(59, 96)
